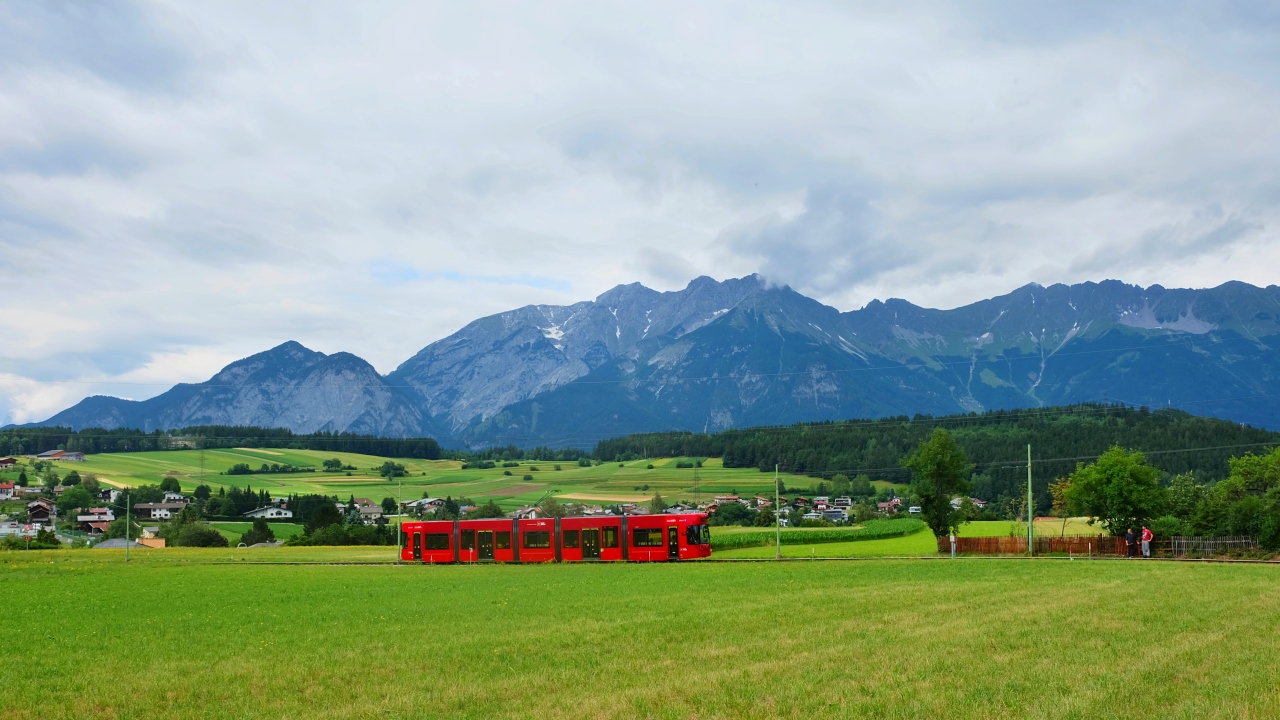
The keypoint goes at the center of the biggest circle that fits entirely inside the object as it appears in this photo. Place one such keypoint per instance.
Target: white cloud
(184, 183)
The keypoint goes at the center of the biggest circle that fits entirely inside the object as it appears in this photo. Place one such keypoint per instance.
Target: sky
(183, 184)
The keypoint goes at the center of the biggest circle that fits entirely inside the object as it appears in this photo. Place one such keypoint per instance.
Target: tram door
(673, 542)
(485, 544)
(417, 546)
(591, 544)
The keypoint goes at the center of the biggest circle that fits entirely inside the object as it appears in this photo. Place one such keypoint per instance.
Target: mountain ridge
(721, 354)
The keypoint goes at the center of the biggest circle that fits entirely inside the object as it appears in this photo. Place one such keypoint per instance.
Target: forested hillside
(1175, 442)
(32, 440)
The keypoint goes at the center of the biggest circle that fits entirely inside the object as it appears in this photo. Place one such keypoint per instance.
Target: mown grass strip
(870, 530)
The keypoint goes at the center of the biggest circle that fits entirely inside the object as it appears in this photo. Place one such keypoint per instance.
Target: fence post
(1091, 551)
(953, 546)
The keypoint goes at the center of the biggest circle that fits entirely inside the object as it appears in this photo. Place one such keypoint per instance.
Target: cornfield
(870, 530)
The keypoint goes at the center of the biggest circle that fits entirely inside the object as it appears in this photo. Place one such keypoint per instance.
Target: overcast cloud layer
(183, 184)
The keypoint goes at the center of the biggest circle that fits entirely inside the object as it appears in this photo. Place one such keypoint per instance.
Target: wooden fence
(1086, 545)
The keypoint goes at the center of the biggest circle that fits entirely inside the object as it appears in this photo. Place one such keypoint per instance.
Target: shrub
(1166, 527)
(649, 466)
(259, 533)
(199, 535)
(534, 468)
(506, 472)
(584, 462)
(528, 477)
(558, 467)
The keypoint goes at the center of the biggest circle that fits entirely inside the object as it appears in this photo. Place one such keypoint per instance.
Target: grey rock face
(287, 386)
(507, 358)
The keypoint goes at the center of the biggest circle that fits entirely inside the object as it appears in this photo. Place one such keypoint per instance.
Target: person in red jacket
(1146, 541)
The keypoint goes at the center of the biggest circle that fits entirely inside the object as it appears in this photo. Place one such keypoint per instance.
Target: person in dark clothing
(1129, 544)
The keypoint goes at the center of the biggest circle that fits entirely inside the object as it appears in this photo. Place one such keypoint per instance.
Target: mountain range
(743, 352)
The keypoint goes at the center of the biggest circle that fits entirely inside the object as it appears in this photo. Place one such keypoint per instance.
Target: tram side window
(648, 537)
(609, 537)
(571, 538)
(468, 539)
(435, 541)
(537, 539)
(502, 540)
(698, 535)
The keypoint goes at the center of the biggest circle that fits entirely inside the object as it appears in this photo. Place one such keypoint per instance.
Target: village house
(270, 512)
(957, 502)
(527, 513)
(835, 514)
(176, 497)
(39, 510)
(109, 495)
(7, 462)
(763, 502)
(370, 514)
(150, 531)
(889, 506)
(843, 502)
(158, 511)
(6, 490)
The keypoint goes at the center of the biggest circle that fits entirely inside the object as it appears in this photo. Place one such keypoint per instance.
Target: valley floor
(979, 638)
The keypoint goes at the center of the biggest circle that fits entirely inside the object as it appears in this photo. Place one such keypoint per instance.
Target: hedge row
(870, 530)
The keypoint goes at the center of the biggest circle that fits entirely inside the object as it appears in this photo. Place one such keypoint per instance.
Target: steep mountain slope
(777, 357)
(506, 358)
(737, 353)
(287, 386)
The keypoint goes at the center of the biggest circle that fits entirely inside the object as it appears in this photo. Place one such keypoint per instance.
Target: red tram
(608, 538)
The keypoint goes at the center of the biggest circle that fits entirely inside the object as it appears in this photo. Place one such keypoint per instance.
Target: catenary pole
(1031, 516)
(399, 513)
(126, 527)
(777, 513)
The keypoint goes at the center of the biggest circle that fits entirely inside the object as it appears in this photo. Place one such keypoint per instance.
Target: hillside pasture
(598, 484)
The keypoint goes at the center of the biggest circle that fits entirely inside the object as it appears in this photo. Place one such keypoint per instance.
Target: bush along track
(870, 530)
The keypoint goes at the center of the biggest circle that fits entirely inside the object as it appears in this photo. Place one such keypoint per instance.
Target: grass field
(1001, 528)
(963, 639)
(600, 484)
(233, 530)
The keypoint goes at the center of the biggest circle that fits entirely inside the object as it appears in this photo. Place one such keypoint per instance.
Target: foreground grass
(978, 638)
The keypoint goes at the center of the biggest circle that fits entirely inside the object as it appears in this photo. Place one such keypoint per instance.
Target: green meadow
(598, 484)
(93, 637)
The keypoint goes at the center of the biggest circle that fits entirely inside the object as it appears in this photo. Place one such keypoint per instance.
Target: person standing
(1146, 541)
(1129, 544)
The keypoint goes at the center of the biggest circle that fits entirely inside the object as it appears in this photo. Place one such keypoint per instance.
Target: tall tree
(940, 471)
(1120, 490)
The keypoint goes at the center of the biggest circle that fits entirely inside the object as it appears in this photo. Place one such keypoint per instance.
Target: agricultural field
(963, 639)
(599, 484)
(1044, 527)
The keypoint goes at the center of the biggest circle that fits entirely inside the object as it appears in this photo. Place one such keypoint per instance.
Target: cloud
(184, 183)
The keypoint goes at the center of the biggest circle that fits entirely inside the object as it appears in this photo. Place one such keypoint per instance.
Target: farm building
(270, 512)
(7, 462)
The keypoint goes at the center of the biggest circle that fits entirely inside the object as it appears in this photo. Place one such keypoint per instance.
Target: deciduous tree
(1120, 490)
(940, 472)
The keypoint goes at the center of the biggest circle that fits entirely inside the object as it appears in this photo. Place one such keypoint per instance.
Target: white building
(270, 512)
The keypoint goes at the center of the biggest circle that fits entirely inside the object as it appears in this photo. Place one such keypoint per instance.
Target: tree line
(35, 440)
(995, 442)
